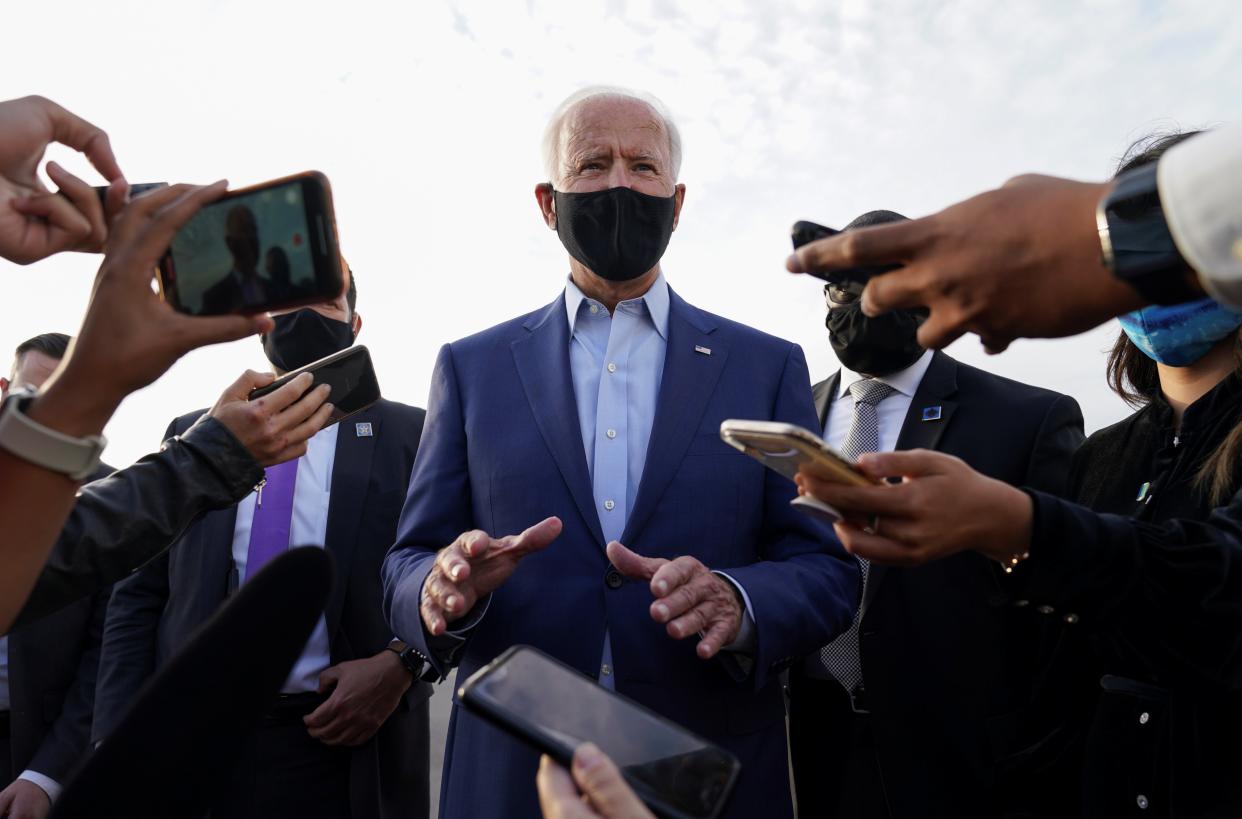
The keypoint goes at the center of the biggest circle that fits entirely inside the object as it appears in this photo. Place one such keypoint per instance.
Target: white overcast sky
(426, 116)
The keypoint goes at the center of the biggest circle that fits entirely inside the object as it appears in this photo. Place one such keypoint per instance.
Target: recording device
(136, 189)
(556, 709)
(350, 375)
(853, 278)
(266, 247)
(787, 449)
(191, 720)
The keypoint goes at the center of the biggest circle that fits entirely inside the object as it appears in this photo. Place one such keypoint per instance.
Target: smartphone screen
(263, 248)
(349, 373)
(557, 709)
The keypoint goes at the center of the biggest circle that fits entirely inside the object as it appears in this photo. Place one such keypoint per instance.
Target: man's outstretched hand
(689, 598)
(473, 566)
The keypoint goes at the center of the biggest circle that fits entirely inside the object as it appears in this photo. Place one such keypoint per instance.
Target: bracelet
(1011, 562)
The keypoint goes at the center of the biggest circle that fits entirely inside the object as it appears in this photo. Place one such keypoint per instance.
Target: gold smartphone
(787, 448)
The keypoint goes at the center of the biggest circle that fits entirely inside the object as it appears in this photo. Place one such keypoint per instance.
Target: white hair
(552, 133)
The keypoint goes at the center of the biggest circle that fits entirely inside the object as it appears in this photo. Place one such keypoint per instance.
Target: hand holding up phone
(129, 336)
(474, 566)
(275, 428)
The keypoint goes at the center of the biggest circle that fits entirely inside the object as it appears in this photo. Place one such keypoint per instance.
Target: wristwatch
(414, 661)
(29, 440)
(1135, 241)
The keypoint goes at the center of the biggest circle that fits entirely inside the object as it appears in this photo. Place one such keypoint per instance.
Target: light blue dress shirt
(617, 363)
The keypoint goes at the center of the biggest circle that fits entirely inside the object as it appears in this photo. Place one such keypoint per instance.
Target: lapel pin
(931, 413)
(363, 429)
(701, 349)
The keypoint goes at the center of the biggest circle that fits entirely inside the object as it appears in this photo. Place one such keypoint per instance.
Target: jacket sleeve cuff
(218, 447)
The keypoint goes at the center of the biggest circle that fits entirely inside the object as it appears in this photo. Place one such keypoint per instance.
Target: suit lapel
(689, 379)
(542, 360)
(930, 411)
(824, 393)
(351, 471)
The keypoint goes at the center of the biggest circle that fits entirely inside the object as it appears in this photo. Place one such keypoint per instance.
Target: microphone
(180, 738)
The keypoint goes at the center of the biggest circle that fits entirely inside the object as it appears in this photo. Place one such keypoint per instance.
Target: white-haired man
(591, 423)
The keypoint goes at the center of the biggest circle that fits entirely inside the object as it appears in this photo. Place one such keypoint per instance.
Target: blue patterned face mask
(1180, 334)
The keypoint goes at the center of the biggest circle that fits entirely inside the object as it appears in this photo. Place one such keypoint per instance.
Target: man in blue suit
(602, 410)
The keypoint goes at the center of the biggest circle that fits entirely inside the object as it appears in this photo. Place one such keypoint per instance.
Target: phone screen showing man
(245, 251)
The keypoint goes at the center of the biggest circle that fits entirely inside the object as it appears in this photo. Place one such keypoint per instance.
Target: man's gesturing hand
(276, 427)
(474, 566)
(689, 599)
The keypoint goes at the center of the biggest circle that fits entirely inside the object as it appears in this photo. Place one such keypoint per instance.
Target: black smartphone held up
(803, 233)
(136, 189)
(266, 247)
(349, 373)
(555, 708)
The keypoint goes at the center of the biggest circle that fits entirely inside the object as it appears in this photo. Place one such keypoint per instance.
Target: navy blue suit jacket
(502, 450)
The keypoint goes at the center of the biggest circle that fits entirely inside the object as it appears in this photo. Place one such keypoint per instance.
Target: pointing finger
(632, 564)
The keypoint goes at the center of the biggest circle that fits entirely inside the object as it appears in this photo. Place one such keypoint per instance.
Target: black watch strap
(414, 661)
(1135, 241)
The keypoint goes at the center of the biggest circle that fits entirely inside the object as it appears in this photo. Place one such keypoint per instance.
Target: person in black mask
(904, 715)
(582, 440)
(349, 734)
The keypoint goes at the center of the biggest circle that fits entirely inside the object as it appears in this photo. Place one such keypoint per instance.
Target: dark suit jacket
(503, 451)
(943, 680)
(53, 662)
(154, 613)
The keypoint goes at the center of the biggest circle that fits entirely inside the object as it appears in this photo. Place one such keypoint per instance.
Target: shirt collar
(656, 298)
(904, 381)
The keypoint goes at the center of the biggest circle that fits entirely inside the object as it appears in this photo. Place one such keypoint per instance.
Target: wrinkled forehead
(630, 125)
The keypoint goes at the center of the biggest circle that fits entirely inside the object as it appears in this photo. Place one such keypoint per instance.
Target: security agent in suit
(906, 714)
(349, 736)
(48, 665)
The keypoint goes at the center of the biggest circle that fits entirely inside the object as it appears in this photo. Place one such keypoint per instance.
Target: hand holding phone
(557, 709)
(350, 375)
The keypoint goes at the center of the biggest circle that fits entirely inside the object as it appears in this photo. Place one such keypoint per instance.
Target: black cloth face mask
(304, 336)
(618, 234)
(875, 346)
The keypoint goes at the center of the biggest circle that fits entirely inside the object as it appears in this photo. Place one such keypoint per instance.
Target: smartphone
(786, 448)
(555, 708)
(349, 373)
(266, 247)
(136, 189)
(804, 233)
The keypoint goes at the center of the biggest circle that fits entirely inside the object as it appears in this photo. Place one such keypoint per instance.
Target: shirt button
(594, 309)
(612, 368)
(606, 670)
(1144, 718)
(612, 433)
(1071, 618)
(1044, 609)
(609, 505)
(1142, 802)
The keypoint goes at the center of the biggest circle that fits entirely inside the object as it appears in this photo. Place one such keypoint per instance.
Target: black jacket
(1142, 694)
(124, 520)
(53, 662)
(938, 660)
(153, 613)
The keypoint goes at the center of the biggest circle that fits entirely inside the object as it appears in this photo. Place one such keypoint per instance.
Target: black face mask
(874, 346)
(304, 336)
(619, 233)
